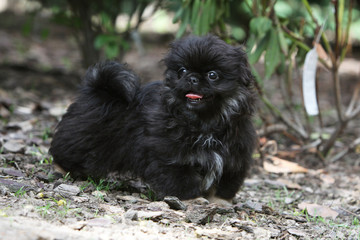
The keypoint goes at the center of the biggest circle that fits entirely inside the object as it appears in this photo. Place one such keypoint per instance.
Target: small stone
(197, 201)
(288, 200)
(127, 198)
(225, 210)
(157, 206)
(80, 199)
(67, 190)
(250, 204)
(262, 233)
(175, 203)
(12, 172)
(4, 190)
(42, 176)
(15, 186)
(154, 216)
(274, 184)
(296, 232)
(131, 215)
(200, 215)
(143, 215)
(14, 146)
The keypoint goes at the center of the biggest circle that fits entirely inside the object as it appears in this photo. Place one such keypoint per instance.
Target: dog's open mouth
(194, 98)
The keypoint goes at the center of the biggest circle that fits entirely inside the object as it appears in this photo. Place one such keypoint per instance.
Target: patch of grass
(44, 211)
(20, 193)
(59, 208)
(44, 158)
(102, 184)
(46, 134)
(150, 195)
(84, 186)
(356, 222)
(279, 200)
(67, 177)
(352, 229)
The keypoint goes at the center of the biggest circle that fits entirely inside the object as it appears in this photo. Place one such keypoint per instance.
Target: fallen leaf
(289, 184)
(318, 210)
(278, 165)
(287, 154)
(327, 179)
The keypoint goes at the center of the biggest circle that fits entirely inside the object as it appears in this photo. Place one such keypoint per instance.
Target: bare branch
(345, 151)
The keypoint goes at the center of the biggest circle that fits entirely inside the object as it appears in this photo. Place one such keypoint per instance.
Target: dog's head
(206, 76)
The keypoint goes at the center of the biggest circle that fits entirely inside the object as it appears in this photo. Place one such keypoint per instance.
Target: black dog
(188, 136)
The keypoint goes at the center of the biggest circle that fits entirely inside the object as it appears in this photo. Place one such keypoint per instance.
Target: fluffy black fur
(180, 145)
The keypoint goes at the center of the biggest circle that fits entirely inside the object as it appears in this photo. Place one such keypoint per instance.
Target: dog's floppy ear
(245, 75)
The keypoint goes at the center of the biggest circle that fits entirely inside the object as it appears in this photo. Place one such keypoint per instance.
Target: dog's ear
(245, 75)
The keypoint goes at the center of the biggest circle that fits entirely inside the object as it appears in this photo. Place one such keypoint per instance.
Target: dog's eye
(212, 75)
(182, 71)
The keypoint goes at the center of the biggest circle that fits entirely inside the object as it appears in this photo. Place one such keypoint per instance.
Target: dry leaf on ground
(289, 184)
(278, 165)
(318, 210)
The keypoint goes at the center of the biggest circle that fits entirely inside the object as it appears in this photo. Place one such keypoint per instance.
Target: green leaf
(195, 12)
(45, 33)
(272, 55)
(184, 24)
(101, 40)
(260, 25)
(212, 12)
(260, 48)
(178, 15)
(282, 40)
(112, 51)
(238, 33)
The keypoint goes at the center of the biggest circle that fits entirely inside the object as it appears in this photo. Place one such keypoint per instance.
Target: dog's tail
(112, 80)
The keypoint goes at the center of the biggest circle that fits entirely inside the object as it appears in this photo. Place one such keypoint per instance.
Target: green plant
(44, 158)
(84, 186)
(99, 185)
(44, 210)
(20, 193)
(356, 222)
(94, 24)
(202, 16)
(67, 177)
(283, 43)
(58, 207)
(46, 133)
(282, 32)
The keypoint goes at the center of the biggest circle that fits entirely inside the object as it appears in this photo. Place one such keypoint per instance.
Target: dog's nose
(193, 80)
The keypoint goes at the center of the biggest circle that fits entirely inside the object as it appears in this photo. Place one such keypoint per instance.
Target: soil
(38, 80)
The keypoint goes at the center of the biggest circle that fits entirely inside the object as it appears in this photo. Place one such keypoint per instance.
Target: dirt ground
(38, 80)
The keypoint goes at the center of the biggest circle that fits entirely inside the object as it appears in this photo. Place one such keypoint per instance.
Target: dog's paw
(220, 201)
(197, 201)
(59, 169)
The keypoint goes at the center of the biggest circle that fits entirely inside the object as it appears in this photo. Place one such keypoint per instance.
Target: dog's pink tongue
(194, 96)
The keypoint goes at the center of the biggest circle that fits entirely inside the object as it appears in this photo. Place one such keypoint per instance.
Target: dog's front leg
(181, 181)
